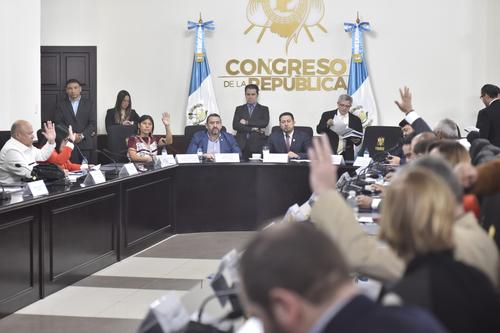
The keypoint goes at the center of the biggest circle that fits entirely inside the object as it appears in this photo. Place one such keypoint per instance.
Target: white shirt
(14, 152)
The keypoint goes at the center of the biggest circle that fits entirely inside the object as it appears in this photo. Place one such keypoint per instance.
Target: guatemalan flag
(201, 101)
(359, 87)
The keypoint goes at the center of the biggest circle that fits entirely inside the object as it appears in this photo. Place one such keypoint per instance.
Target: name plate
(227, 158)
(36, 188)
(94, 177)
(128, 169)
(275, 158)
(187, 158)
(165, 160)
(362, 161)
(338, 159)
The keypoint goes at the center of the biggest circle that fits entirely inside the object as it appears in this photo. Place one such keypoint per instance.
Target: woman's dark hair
(143, 118)
(118, 105)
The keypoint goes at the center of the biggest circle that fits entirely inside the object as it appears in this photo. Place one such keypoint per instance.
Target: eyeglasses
(345, 105)
(481, 97)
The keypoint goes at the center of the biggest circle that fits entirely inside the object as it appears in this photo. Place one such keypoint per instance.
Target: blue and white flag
(201, 101)
(359, 86)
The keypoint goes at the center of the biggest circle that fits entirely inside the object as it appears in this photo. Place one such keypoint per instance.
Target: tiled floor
(116, 298)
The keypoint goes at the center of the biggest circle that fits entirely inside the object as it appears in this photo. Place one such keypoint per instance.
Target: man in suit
(488, 119)
(213, 140)
(288, 140)
(250, 121)
(315, 293)
(331, 121)
(412, 123)
(77, 111)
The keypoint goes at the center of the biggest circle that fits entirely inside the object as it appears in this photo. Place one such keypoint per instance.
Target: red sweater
(62, 159)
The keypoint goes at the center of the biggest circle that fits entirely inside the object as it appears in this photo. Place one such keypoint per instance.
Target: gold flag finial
(200, 21)
(357, 18)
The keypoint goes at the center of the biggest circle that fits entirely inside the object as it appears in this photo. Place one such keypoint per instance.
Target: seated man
(213, 140)
(315, 293)
(288, 141)
(18, 156)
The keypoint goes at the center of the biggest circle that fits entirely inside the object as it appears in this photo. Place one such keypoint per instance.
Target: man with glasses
(333, 123)
(488, 119)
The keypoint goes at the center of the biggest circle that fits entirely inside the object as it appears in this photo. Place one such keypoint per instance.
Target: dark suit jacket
(488, 122)
(460, 296)
(200, 140)
(259, 119)
(354, 123)
(299, 144)
(84, 122)
(362, 315)
(110, 118)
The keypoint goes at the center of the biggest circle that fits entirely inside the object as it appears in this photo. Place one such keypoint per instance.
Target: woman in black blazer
(122, 113)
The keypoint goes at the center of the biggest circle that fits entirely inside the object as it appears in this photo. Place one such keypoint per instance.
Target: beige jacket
(366, 255)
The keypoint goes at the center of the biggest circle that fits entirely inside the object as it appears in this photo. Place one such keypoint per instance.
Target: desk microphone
(108, 155)
(33, 177)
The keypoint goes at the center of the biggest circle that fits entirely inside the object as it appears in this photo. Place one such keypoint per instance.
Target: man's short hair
(315, 273)
(14, 128)
(213, 115)
(252, 86)
(73, 81)
(344, 97)
(286, 114)
(407, 139)
(491, 90)
(447, 129)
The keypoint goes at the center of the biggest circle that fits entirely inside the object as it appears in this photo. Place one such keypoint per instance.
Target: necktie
(250, 109)
(287, 142)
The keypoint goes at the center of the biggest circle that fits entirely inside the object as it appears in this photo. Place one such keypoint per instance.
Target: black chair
(380, 139)
(117, 141)
(4, 137)
(306, 129)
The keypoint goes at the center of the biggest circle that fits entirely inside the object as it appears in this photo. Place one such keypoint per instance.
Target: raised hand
(165, 118)
(71, 134)
(405, 104)
(49, 132)
(322, 173)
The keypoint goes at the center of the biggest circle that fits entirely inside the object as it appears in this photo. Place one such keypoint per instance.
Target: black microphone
(4, 195)
(110, 158)
(84, 159)
(33, 177)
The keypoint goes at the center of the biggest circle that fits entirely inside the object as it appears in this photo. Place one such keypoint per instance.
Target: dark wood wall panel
(19, 259)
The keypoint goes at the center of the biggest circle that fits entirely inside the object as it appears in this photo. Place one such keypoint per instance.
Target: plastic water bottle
(366, 153)
(164, 151)
(351, 201)
(199, 152)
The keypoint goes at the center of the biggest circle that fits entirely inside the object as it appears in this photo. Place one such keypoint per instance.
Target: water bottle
(164, 151)
(351, 201)
(199, 152)
(366, 153)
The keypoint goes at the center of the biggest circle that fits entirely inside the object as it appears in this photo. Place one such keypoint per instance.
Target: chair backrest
(379, 139)
(117, 141)
(306, 129)
(4, 137)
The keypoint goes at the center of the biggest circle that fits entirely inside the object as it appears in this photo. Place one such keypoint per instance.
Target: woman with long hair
(122, 113)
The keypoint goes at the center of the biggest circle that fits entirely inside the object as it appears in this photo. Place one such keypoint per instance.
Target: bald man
(18, 156)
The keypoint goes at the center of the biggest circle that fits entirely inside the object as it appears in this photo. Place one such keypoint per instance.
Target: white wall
(444, 50)
(19, 62)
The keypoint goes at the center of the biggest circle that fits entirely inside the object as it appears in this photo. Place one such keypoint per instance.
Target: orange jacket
(62, 159)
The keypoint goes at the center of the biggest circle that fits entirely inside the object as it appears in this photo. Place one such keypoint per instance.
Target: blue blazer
(300, 142)
(200, 140)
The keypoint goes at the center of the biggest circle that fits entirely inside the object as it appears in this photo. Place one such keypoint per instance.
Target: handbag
(48, 172)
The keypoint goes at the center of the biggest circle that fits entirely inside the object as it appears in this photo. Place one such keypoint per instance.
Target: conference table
(52, 241)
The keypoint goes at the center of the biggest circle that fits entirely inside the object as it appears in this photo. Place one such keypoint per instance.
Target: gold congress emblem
(380, 144)
(286, 18)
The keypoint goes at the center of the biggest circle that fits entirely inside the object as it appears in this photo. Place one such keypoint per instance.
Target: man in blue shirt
(213, 140)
